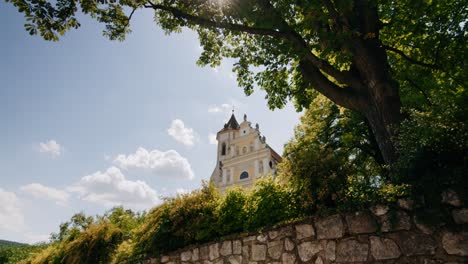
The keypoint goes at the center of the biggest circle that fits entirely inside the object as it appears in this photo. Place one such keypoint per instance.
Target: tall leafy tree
(358, 53)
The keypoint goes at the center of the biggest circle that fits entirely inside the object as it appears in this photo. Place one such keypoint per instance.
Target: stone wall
(377, 236)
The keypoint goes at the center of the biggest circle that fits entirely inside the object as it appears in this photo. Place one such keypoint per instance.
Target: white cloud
(224, 108)
(168, 164)
(212, 139)
(38, 190)
(182, 134)
(111, 188)
(11, 216)
(51, 147)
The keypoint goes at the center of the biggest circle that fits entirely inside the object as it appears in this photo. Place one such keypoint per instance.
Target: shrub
(231, 212)
(269, 203)
(186, 219)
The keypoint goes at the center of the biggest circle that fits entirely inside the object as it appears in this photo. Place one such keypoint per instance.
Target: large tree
(357, 53)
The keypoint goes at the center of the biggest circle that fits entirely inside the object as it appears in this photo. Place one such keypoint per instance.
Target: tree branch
(290, 35)
(343, 96)
(402, 54)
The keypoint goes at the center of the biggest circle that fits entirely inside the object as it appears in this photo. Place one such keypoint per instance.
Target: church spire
(232, 123)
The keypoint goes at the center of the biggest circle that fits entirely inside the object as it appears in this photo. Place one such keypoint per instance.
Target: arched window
(271, 164)
(223, 149)
(244, 150)
(244, 175)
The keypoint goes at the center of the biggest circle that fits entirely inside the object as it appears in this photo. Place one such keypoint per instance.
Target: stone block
(319, 260)
(237, 247)
(248, 239)
(273, 234)
(214, 251)
(304, 231)
(204, 253)
(449, 196)
(405, 203)
(275, 249)
(288, 258)
(258, 252)
(164, 259)
(379, 209)
(226, 248)
(351, 251)
(460, 216)
(307, 250)
(195, 254)
(186, 255)
(286, 231)
(330, 250)
(398, 220)
(414, 244)
(455, 244)
(361, 223)
(384, 248)
(245, 252)
(330, 227)
(422, 226)
(262, 238)
(288, 244)
(235, 259)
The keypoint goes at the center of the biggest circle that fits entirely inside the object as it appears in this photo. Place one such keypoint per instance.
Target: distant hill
(6, 243)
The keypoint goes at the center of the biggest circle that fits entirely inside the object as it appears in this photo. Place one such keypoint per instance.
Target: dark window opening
(223, 149)
(271, 165)
(244, 175)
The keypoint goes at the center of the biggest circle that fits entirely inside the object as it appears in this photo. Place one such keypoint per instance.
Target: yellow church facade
(243, 156)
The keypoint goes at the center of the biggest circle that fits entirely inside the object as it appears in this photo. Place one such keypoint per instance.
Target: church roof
(232, 123)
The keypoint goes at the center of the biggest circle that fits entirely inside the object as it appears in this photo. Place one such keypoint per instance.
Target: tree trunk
(382, 103)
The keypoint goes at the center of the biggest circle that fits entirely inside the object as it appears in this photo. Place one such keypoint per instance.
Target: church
(243, 156)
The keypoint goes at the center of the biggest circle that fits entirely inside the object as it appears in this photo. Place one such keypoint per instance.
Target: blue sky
(87, 123)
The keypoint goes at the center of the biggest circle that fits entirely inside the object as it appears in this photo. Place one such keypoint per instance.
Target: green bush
(186, 219)
(269, 203)
(231, 212)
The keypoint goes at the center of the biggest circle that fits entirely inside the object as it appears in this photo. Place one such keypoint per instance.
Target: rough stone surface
(460, 216)
(338, 239)
(288, 258)
(259, 252)
(186, 255)
(195, 254)
(262, 238)
(451, 197)
(319, 260)
(351, 251)
(394, 221)
(307, 250)
(361, 223)
(422, 227)
(235, 260)
(226, 248)
(236, 247)
(245, 252)
(164, 259)
(304, 231)
(204, 253)
(384, 248)
(330, 250)
(214, 251)
(330, 227)
(273, 234)
(405, 203)
(455, 244)
(415, 243)
(379, 209)
(275, 248)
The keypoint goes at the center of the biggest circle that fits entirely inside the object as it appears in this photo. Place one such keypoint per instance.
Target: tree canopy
(361, 54)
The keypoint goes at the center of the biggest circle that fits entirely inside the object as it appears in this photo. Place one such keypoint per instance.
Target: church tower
(243, 155)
